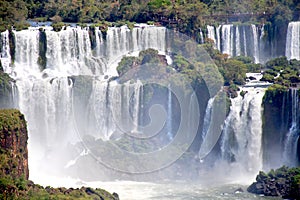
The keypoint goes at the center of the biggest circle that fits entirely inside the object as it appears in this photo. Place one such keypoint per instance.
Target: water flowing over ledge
(80, 62)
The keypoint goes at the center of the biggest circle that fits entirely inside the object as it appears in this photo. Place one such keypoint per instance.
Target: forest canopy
(186, 15)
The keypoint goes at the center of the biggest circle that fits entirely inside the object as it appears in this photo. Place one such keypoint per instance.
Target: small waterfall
(201, 36)
(207, 117)
(227, 39)
(26, 52)
(5, 51)
(137, 105)
(255, 44)
(169, 119)
(245, 39)
(262, 55)
(211, 34)
(292, 49)
(242, 133)
(291, 140)
(14, 94)
(218, 37)
(237, 41)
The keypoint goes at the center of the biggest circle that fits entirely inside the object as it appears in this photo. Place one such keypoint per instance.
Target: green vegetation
(187, 16)
(282, 72)
(11, 120)
(283, 182)
(20, 188)
(57, 26)
(152, 65)
(233, 69)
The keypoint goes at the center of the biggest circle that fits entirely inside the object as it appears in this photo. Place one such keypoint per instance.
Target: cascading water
(211, 34)
(75, 68)
(242, 133)
(238, 43)
(207, 117)
(169, 120)
(227, 40)
(79, 66)
(291, 140)
(255, 44)
(5, 50)
(243, 40)
(292, 49)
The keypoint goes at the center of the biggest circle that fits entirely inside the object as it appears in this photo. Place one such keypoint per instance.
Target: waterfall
(227, 40)
(207, 117)
(240, 40)
(244, 39)
(5, 51)
(292, 49)
(291, 140)
(201, 36)
(26, 53)
(69, 53)
(73, 96)
(169, 120)
(255, 44)
(242, 132)
(211, 34)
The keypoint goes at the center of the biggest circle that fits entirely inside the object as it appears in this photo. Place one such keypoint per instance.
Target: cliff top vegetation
(185, 15)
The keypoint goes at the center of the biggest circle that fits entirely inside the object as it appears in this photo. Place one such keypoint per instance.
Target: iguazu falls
(151, 99)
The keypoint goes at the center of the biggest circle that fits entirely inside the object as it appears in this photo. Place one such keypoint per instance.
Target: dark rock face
(276, 122)
(13, 144)
(282, 182)
(6, 85)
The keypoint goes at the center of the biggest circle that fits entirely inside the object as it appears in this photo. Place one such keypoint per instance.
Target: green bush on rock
(284, 182)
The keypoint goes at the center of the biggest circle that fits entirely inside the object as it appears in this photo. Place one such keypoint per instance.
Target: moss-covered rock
(12, 45)
(284, 182)
(58, 26)
(42, 59)
(13, 144)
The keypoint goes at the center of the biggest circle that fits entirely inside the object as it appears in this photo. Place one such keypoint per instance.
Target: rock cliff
(13, 144)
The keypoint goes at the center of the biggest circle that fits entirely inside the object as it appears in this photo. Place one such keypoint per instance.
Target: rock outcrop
(13, 144)
(284, 182)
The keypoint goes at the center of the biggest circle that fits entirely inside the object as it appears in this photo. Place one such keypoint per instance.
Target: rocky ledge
(284, 182)
(14, 173)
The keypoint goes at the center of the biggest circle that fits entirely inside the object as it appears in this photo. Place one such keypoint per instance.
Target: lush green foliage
(283, 182)
(11, 119)
(187, 16)
(282, 72)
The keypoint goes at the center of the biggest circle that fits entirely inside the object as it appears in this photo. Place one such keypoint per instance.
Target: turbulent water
(130, 190)
(242, 134)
